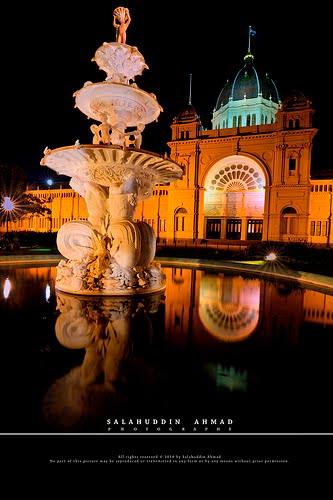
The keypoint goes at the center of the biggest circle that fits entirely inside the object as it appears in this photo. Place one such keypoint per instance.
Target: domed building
(247, 100)
(249, 176)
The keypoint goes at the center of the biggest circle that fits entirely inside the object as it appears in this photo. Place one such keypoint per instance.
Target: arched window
(292, 166)
(180, 219)
(240, 120)
(254, 119)
(289, 221)
(234, 121)
(289, 210)
(248, 120)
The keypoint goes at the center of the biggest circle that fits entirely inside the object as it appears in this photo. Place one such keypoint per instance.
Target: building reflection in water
(318, 308)
(207, 338)
(204, 307)
(229, 306)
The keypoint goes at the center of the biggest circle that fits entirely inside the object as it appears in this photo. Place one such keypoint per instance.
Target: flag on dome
(251, 31)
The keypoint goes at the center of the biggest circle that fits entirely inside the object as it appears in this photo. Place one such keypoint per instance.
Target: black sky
(47, 51)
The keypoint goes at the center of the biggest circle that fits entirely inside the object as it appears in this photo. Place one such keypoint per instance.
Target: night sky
(47, 51)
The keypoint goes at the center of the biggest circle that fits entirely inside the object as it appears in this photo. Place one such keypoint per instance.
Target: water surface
(215, 352)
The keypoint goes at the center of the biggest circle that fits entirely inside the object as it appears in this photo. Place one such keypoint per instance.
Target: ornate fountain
(111, 253)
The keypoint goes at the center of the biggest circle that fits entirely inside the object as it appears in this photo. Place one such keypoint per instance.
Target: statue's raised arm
(121, 20)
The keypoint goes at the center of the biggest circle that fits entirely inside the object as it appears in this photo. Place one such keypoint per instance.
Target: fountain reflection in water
(104, 328)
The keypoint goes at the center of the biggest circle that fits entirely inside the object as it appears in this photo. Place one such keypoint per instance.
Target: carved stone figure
(118, 135)
(121, 20)
(104, 129)
(123, 198)
(95, 130)
(96, 197)
(137, 134)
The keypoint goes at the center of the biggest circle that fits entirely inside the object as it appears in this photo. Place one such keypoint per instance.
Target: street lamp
(329, 221)
(8, 206)
(49, 182)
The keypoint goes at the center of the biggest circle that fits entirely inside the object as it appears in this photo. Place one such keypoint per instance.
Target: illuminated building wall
(219, 207)
(222, 214)
(252, 182)
(65, 205)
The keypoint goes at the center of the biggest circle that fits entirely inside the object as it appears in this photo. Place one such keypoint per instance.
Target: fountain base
(73, 277)
(119, 261)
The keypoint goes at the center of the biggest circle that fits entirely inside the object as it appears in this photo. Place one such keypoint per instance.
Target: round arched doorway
(234, 199)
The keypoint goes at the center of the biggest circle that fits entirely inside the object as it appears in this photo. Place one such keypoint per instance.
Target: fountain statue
(111, 253)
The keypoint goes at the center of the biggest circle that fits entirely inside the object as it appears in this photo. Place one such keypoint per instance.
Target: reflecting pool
(220, 352)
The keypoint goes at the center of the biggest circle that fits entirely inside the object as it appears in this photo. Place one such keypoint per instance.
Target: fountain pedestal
(112, 253)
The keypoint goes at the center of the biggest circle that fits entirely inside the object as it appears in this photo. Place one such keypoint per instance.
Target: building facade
(247, 178)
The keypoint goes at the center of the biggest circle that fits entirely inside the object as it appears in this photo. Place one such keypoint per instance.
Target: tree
(12, 187)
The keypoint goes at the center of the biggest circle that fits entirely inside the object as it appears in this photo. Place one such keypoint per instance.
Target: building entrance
(213, 229)
(254, 229)
(234, 229)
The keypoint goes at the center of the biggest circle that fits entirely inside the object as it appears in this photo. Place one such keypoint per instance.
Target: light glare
(8, 204)
(47, 293)
(6, 288)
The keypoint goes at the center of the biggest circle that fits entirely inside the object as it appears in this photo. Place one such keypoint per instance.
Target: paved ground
(262, 268)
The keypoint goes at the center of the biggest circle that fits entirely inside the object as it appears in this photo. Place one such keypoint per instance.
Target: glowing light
(8, 204)
(47, 292)
(6, 288)
(49, 182)
(271, 256)
(11, 206)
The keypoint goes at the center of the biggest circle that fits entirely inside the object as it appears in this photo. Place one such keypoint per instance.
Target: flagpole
(251, 33)
(190, 95)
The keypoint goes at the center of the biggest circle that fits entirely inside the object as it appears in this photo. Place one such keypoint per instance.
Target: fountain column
(112, 253)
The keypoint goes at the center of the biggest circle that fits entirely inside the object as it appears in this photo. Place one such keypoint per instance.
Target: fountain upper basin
(119, 101)
(106, 164)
